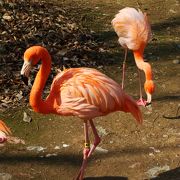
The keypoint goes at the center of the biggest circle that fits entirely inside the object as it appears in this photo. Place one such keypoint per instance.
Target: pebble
(99, 149)
(172, 11)
(65, 145)
(51, 155)
(5, 176)
(176, 61)
(155, 150)
(27, 118)
(135, 165)
(102, 131)
(151, 154)
(36, 148)
(65, 58)
(165, 135)
(57, 147)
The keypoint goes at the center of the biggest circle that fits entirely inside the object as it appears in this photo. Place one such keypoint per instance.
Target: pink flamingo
(134, 32)
(4, 132)
(82, 92)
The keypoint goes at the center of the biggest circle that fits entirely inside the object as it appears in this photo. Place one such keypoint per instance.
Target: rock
(27, 118)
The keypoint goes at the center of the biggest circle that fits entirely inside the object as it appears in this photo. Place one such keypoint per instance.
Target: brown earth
(133, 150)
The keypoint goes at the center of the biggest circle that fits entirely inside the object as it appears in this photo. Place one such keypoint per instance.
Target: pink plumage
(134, 32)
(87, 93)
(132, 28)
(82, 92)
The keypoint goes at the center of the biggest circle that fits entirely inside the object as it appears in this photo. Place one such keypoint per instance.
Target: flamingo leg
(141, 101)
(97, 139)
(124, 67)
(85, 152)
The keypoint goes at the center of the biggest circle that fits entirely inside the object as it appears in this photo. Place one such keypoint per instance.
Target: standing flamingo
(82, 92)
(134, 32)
(4, 132)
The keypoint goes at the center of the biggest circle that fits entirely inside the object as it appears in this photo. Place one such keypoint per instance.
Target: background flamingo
(134, 32)
(82, 92)
(4, 132)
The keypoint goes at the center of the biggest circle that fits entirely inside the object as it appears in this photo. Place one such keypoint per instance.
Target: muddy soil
(128, 150)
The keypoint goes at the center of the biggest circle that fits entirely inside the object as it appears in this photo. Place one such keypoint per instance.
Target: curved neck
(36, 101)
(146, 67)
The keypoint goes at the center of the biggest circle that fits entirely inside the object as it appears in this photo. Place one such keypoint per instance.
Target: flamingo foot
(142, 102)
(84, 164)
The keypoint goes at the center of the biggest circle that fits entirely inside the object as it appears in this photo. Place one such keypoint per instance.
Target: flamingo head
(31, 57)
(149, 88)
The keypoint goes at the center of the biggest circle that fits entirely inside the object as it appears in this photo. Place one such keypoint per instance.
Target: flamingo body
(82, 92)
(86, 93)
(134, 32)
(4, 132)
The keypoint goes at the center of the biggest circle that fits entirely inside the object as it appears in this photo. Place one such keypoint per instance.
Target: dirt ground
(128, 150)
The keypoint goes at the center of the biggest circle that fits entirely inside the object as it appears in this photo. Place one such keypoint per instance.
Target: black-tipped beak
(24, 79)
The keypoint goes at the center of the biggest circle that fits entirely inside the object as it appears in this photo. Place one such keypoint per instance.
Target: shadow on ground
(76, 159)
(173, 174)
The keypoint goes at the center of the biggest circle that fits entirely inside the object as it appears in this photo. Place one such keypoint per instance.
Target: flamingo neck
(146, 67)
(36, 101)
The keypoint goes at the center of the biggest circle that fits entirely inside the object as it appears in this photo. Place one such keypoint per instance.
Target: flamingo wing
(132, 28)
(4, 128)
(86, 93)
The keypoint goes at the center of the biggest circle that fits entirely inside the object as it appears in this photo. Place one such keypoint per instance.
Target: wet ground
(127, 150)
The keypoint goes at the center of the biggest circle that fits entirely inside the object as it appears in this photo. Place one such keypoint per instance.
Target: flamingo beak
(26, 68)
(149, 99)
